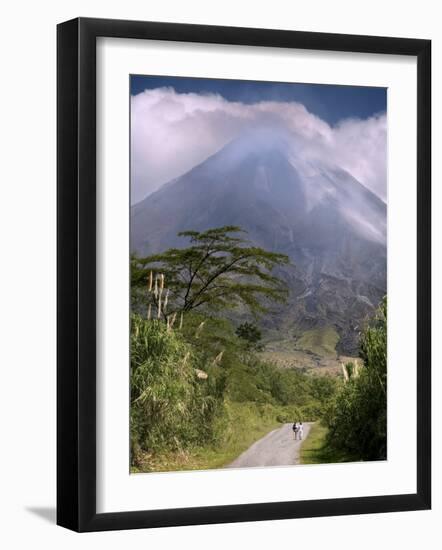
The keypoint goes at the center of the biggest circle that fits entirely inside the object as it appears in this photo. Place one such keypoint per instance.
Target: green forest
(201, 392)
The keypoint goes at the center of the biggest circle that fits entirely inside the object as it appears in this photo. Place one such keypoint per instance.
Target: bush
(171, 407)
(290, 415)
(251, 335)
(357, 419)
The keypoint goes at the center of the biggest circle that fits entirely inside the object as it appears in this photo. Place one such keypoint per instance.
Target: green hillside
(321, 341)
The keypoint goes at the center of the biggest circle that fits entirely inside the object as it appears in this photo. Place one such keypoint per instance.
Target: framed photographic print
(243, 274)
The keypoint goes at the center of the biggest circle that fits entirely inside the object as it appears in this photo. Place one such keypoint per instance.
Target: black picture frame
(76, 274)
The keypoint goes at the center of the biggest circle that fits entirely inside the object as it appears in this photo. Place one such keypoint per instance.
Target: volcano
(332, 227)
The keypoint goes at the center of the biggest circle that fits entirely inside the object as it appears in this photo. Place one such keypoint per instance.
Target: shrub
(171, 407)
(357, 419)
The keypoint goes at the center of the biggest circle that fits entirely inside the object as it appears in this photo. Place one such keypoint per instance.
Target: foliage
(357, 419)
(256, 380)
(251, 334)
(211, 335)
(176, 415)
(171, 407)
(218, 271)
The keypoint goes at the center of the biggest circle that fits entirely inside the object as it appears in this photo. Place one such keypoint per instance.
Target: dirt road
(277, 448)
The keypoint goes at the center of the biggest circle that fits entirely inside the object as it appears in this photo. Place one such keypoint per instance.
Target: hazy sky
(177, 123)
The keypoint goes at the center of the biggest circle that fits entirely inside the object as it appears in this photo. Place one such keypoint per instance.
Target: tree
(357, 420)
(251, 334)
(218, 271)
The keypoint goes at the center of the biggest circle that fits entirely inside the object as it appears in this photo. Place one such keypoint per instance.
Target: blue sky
(330, 103)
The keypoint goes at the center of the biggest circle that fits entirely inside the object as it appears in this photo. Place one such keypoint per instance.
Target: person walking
(300, 430)
(295, 429)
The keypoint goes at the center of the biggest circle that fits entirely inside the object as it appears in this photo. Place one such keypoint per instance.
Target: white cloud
(173, 132)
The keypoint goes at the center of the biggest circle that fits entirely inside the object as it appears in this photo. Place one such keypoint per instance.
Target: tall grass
(171, 406)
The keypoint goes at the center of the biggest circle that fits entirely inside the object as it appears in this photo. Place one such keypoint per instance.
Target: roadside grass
(247, 422)
(315, 450)
(321, 341)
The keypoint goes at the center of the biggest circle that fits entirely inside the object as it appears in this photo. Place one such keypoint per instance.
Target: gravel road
(277, 448)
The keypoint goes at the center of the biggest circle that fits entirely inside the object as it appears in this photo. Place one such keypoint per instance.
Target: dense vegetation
(171, 406)
(357, 417)
(187, 394)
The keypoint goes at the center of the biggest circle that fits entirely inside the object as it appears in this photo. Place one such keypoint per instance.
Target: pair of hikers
(298, 430)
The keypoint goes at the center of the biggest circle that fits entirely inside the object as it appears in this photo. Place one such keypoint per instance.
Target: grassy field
(307, 362)
(321, 341)
(313, 352)
(315, 450)
(247, 422)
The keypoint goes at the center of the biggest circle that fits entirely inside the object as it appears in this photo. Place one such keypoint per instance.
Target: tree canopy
(220, 270)
(251, 334)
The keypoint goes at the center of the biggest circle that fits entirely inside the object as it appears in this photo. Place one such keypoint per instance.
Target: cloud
(172, 132)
